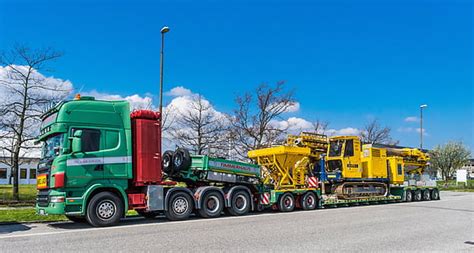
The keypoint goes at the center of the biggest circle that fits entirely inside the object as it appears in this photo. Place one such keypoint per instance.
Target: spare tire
(167, 162)
(181, 160)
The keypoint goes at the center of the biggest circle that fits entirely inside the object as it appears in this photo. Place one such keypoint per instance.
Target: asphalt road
(443, 226)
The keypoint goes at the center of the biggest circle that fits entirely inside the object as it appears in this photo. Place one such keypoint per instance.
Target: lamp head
(423, 106)
(165, 29)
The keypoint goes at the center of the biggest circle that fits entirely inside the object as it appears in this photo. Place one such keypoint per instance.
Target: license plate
(42, 181)
(41, 212)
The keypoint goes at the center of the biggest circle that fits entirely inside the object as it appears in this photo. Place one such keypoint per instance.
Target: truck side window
(90, 139)
(349, 150)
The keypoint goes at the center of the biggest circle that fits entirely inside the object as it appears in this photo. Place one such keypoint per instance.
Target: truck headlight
(57, 199)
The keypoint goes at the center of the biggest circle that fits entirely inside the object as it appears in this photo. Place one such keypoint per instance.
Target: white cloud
(343, 131)
(51, 87)
(294, 107)
(293, 125)
(178, 91)
(136, 101)
(412, 119)
(412, 130)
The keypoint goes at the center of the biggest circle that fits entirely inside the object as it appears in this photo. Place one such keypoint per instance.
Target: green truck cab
(85, 151)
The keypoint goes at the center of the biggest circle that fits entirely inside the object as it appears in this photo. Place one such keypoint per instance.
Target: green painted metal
(203, 164)
(112, 120)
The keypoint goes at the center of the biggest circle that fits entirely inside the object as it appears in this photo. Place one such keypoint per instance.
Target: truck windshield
(52, 146)
(335, 148)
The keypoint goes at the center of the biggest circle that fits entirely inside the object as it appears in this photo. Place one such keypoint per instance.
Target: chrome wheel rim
(180, 205)
(106, 209)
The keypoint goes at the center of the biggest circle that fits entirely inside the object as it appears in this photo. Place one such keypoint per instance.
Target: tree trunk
(15, 165)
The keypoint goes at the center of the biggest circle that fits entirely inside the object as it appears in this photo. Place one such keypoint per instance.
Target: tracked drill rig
(355, 170)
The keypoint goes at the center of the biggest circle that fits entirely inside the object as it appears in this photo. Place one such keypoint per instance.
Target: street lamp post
(164, 30)
(421, 125)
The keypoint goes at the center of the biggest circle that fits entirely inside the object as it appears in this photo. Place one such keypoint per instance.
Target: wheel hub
(106, 209)
(180, 205)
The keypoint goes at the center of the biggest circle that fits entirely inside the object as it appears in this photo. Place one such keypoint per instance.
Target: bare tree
(320, 126)
(26, 93)
(449, 158)
(373, 133)
(251, 122)
(200, 128)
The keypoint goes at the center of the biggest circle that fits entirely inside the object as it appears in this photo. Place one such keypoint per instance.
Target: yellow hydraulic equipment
(370, 168)
(288, 166)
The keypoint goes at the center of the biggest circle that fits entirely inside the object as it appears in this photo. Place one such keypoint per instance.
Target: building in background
(27, 171)
(469, 167)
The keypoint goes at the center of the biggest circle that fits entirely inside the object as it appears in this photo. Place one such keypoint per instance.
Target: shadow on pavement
(14, 227)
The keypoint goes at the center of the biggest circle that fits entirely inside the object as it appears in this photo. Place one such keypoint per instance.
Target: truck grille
(42, 199)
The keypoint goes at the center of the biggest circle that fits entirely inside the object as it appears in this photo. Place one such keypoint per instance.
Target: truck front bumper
(51, 203)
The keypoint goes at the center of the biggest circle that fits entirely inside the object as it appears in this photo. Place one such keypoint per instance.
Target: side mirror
(77, 142)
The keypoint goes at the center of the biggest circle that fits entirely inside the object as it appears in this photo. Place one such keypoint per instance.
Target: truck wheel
(426, 195)
(308, 201)
(286, 203)
(240, 203)
(167, 162)
(180, 206)
(77, 219)
(104, 209)
(417, 195)
(181, 160)
(435, 194)
(212, 205)
(408, 196)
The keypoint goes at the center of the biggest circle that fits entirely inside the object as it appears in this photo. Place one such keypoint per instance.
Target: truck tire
(308, 201)
(408, 196)
(417, 195)
(104, 209)
(77, 219)
(181, 160)
(435, 194)
(167, 162)
(286, 202)
(240, 203)
(426, 195)
(180, 206)
(212, 205)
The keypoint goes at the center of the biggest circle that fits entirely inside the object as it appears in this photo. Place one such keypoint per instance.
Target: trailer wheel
(77, 219)
(212, 205)
(435, 194)
(426, 195)
(167, 162)
(308, 201)
(408, 196)
(180, 206)
(417, 195)
(286, 202)
(104, 209)
(240, 203)
(181, 160)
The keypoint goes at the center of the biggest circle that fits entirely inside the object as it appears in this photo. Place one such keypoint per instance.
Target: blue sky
(347, 61)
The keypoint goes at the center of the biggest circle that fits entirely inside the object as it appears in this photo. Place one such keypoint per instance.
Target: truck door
(88, 165)
(117, 160)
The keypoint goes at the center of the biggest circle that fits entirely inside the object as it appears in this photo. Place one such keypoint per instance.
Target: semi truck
(100, 160)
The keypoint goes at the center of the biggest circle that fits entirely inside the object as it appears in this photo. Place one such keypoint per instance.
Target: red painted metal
(136, 200)
(146, 136)
(58, 180)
